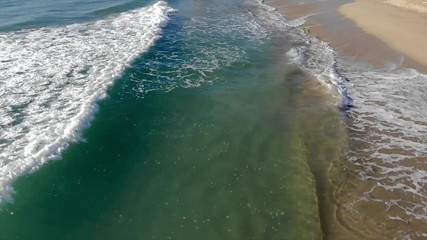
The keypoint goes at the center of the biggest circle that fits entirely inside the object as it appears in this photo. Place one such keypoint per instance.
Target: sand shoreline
(402, 25)
(329, 24)
(345, 213)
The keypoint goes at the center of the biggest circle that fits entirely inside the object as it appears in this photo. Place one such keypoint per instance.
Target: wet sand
(401, 24)
(371, 207)
(327, 22)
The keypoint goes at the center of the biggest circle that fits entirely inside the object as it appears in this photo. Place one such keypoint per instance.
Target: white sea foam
(216, 44)
(388, 129)
(311, 54)
(388, 126)
(51, 79)
(391, 122)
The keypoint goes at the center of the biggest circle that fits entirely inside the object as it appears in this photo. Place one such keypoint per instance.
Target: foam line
(387, 126)
(51, 79)
(312, 55)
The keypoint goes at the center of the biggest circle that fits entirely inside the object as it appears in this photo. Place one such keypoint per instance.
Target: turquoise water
(33, 13)
(207, 133)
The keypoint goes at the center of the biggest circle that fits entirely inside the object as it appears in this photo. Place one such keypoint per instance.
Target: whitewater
(368, 144)
(52, 77)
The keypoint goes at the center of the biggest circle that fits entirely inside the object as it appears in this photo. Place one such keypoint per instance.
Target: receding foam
(310, 54)
(51, 79)
(391, 116)
(387, 120)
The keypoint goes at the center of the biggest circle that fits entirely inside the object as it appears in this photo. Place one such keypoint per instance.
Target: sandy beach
(401, 24)
(384, 33)
(391, 36)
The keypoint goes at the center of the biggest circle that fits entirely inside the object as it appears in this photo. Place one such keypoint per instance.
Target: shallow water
(378, 189)
(193, 119)
(200, 127)
(383, 191)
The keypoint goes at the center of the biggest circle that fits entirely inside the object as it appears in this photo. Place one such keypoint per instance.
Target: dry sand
(395, 32)
(401, 24)
(380, 32)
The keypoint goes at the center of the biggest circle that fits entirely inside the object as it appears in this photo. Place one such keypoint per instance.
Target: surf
(383, 169)
(52, 78)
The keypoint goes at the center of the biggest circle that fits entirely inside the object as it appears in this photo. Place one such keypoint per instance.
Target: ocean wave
(52, 77)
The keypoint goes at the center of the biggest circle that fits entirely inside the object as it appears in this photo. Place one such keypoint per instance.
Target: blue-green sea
(180, 119)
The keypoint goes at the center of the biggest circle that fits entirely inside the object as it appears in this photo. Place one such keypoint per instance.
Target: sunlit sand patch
(418, 6)
(380, 188)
